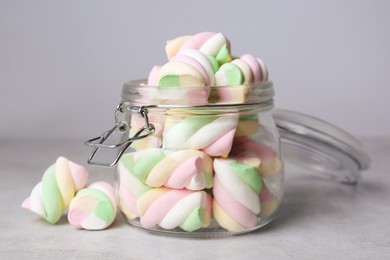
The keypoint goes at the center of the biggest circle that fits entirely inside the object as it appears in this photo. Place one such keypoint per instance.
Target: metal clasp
(122, 126)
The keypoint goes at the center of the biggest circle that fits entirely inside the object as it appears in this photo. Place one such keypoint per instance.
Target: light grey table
(318, 219)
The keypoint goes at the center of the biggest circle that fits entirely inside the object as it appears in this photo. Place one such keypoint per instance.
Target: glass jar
(207, 161)
(201, 161)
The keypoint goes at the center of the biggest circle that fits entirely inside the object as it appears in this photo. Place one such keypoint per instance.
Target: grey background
(62, 63)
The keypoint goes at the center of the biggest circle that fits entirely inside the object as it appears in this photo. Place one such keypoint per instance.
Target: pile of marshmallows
(205, 59)
(194, 169)
(64, 188)
(199, 166)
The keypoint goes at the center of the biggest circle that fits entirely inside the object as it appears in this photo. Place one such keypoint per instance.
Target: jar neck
(255, 95)
(209, 110)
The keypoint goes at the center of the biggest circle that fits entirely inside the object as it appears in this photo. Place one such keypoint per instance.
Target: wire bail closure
(122, 126)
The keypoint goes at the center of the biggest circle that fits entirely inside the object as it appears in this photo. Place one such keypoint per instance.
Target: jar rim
(137, 92)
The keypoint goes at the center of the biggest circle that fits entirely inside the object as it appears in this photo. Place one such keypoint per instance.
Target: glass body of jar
(202, 162)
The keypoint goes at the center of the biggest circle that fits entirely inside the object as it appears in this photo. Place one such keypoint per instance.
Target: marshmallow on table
(94, 207)
(52, 195)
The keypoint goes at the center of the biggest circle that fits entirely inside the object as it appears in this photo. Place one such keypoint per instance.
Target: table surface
(318, 219)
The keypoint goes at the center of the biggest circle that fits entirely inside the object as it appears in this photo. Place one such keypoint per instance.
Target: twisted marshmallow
(257, 66)
(238, 74)
(211, 134)
(200, 62)
(193, 61)
(237, 185)
(52, 195)
(94, 207)
(171, 208)
(130, 183)
(190, 169)
(209, 43)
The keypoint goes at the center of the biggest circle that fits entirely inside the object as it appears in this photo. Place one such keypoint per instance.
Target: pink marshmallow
(235, 209)
(222, 146)
(185, 172)
(160, 207)
(197, 40)
(254, 65)
(128, 199)
(154, 76)
(79, 175)
(193, 63)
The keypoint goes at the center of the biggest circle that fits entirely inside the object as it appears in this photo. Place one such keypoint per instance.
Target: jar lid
(319, 146)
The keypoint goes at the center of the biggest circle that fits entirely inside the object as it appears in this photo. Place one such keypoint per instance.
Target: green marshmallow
(188, 125)
(232, 73)
(209, 180)
(52, 199)
(144, 189)
(194, 221)
(223, 56)
(169, 81)
(248, 174)
(143, 166)
(213, 62)
(104, 208)
(128, 161)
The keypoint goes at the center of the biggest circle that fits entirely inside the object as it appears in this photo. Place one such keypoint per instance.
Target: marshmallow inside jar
(199, 152)
(201, 172)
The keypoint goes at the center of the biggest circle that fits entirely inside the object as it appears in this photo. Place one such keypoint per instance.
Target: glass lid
(319, 146)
